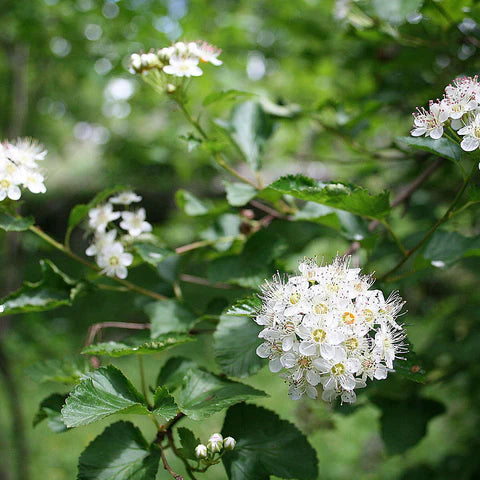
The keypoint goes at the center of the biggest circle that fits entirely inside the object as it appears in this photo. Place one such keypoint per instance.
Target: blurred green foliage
(338, 81)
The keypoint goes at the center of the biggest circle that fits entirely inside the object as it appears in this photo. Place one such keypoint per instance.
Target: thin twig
(203, 281)
(168, 468)
(96, 327)
(269, 210)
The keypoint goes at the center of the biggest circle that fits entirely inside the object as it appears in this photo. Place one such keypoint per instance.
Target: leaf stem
(142, 380)
(129, 285)
(446, 216)
(394, 236)
(217, 156)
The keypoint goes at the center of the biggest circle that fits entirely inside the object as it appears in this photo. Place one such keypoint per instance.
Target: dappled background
(339, 81)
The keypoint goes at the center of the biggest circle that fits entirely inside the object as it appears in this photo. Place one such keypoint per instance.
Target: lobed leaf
(101, 393)
(443, 147)
(236, 341)
(152, 254)
(399, 434)
(239, 194)
(188, 442)
(54, 290)
(119, 453)
(350, 198)
(164, 404)
(50, 409)
(266, 445)
(67, 371)
(169, 316)
(202, 394)
(134, 347)
(13, 223)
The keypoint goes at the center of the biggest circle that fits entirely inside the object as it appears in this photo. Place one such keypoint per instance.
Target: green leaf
(224, 95)
(238, 194)
(410, 368)
(226, 225)
(351, 226)
(169, 316)
(443, 147)
(344, 197)
(190, 204)
(266, 445)
(203, 394)
(188, 442)
(246, 307)
(134, 347)
(119, 453)
(399, 434)
(152, 254)
(67, 371)
(250, 127)
(50, 409)
(172, 373)
(236, 341)
(54, 290)
(12, 223)
(396, 11)
(101, 393)
(164, 404)
(445, 248)
(80, 212)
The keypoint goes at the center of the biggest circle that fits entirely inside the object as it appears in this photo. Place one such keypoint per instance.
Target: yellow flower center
(338, 369)
(319, 335)
(320, 309)
(348, 318)
(4, 183)
(294, 298)
(114, 261)
(368, 314)
(351, 343)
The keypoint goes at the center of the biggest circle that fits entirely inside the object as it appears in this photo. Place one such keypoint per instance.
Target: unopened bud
(215, 443)
(171, 88)
(201, 451)
(229, 443)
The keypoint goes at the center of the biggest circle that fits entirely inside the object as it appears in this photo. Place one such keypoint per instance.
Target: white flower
(34, 181)
(26, 151)
(325, 328)
(229, 443)
(207, 53)
(125, 198)
(99, 217)
(9, 188)
(215, 443)
(429, 123)
(339, 370)
(461, 97)
(201, 451)
(183, 67)
(113, 260)
(471, 132)
(134, 222)
(101, 242)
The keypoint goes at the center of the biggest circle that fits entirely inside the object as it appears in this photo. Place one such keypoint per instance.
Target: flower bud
(229, 443)
(171, 88)
(215, 443)
(201, 451)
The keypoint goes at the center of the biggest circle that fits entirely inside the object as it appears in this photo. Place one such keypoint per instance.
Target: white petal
(263, 350)
(308, 348)
(469, 144)
(347, 382)
(275, 365)
(436, 133)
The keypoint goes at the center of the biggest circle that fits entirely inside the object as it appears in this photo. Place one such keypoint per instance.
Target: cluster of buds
(19, 168)
(326, 327)
(179, 60)
(109, 251)
(216, 445)
(459, 110)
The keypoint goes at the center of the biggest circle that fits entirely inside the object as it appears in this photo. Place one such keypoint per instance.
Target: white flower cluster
(326, 327)
(19, 168)
(459, 109)
(216, 444)
(109, 252)
(180, 60)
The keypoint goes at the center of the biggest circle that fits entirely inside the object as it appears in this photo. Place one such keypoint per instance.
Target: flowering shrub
(324, 329)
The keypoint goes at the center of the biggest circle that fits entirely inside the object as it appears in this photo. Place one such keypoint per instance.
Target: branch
(95, 328)
(167, 467)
